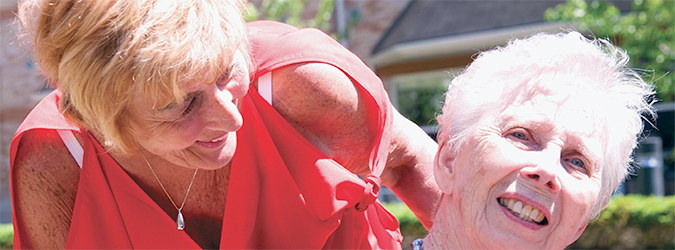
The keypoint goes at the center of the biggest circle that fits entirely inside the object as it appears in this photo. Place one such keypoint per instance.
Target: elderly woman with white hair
(535, 137)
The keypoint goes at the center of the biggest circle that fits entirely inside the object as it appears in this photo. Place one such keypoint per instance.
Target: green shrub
(630, 221)
(6, 235)
(411, 228)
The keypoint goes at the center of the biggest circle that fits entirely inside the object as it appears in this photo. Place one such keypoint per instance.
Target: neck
(442, 234)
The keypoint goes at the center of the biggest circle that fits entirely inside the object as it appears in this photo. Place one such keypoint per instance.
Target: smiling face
(199, 132)
(527, 177)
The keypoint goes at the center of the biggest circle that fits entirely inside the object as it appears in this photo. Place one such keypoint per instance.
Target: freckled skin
(39, 192)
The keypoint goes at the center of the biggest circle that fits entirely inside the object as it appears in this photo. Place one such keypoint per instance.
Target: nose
(545, 172)
(223, 111)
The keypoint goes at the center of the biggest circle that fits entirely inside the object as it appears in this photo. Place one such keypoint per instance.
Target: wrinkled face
(528, 176)
(200, 132)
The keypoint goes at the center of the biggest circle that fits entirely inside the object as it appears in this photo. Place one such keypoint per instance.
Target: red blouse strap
(373, 183)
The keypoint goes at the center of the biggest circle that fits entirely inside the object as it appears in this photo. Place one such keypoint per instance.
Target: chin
(222, 160)
(216, 160)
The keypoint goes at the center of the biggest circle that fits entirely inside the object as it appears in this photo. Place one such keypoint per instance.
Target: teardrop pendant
(180, 223)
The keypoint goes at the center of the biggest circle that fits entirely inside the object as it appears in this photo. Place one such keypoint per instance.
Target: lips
(221, 138)
(215, 142)
(524, 211)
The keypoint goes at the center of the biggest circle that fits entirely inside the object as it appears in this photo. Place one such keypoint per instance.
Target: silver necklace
(180, 222)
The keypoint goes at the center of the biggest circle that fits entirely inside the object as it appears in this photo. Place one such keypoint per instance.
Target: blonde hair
(497, 78)
(103, 53)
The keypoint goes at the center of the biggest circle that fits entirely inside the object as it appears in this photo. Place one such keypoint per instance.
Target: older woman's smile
(524, 211)
(522, 159)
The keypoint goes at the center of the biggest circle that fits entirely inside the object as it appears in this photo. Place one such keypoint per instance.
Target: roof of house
(426, 19)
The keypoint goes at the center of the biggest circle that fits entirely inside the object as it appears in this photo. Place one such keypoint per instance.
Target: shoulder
(39, 150)
(310, 91)
(326, 107)
(45, 178)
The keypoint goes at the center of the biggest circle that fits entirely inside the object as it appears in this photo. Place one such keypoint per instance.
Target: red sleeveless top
(283, 192)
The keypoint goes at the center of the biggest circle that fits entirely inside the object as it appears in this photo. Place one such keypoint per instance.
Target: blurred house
(430, 41)
(20, 87)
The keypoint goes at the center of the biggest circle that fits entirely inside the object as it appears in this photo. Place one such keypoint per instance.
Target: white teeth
(534, 214)
(219, 139)
(540, 217)
(518, 207)
(527, 212)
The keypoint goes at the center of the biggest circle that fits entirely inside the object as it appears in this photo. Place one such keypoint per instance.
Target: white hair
(500, 76)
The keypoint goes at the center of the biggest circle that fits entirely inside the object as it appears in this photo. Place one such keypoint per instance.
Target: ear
(443, 170)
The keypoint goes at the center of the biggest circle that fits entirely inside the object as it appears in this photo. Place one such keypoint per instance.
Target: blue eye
(519, 135)
(577, 162)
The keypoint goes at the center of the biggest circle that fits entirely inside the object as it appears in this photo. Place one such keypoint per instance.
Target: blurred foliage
(421, 105)
(6, 235)
(628, 222)
(290, 12)
(411, 228)
(632, 222)
(647, 33)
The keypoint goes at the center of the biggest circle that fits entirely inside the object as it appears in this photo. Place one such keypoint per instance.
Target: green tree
(647, 33)
(290, 12)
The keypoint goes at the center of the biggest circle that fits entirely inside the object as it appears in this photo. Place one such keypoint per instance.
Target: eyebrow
(171, 105)
(539, 123)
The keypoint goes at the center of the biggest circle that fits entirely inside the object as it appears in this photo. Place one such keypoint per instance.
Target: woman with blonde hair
(176, 125)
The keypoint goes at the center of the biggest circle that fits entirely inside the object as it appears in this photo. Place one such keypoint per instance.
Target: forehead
(553, 113)
(569, 101)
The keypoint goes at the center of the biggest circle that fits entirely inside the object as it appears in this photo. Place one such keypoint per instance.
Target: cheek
(475, 175)
(238, 87)
(580, 198)
(172, 138)
(240, 90)
(494, 159)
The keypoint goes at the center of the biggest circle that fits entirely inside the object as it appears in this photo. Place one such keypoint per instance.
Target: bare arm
(323, 104)
(410, 166)
(45, 184)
